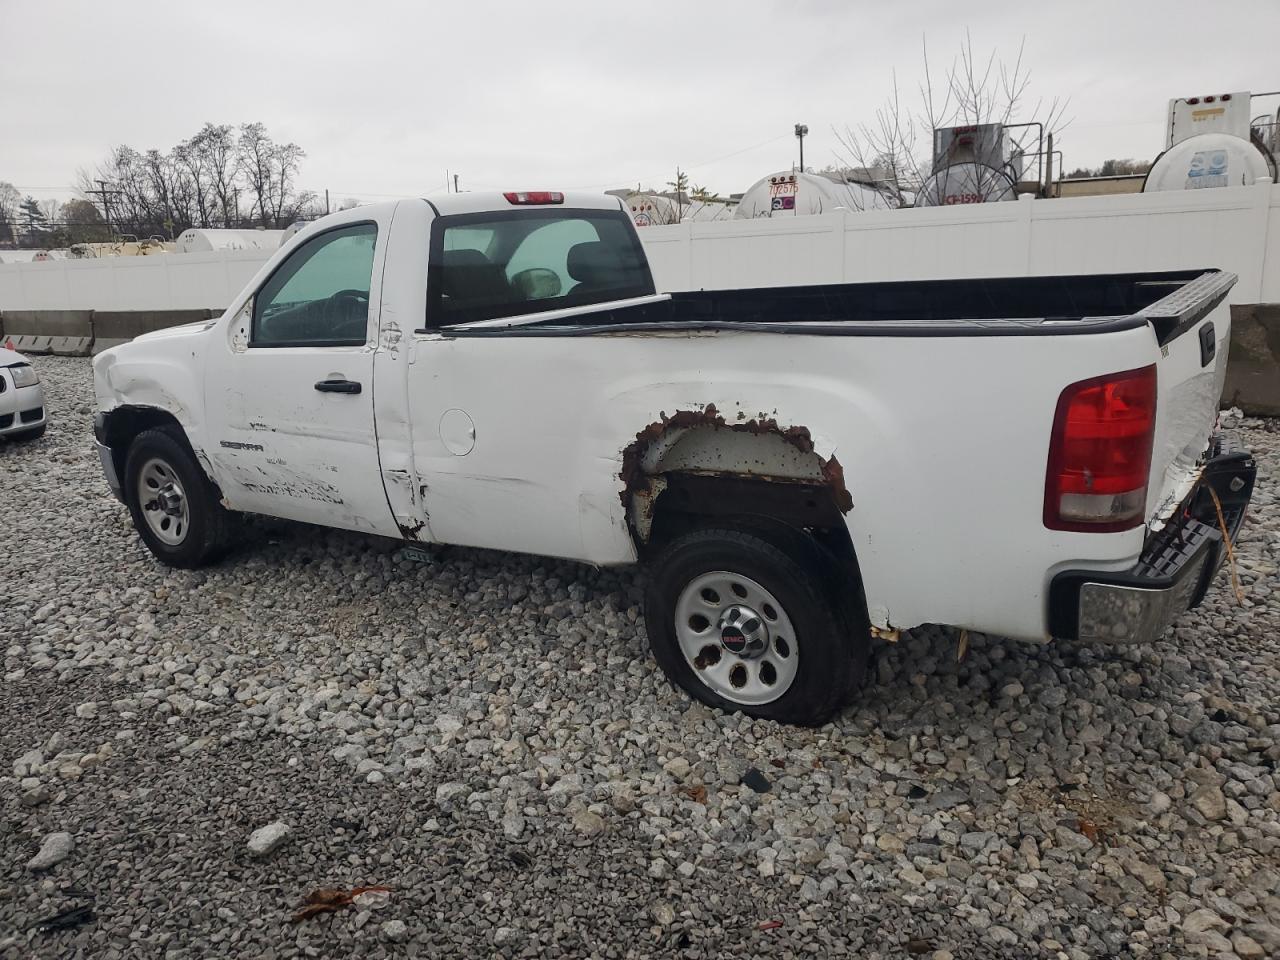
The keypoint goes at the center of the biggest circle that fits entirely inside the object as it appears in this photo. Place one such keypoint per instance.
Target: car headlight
(24, 375)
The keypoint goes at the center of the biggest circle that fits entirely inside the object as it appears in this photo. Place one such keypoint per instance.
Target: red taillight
(1100, 453)
(534, 196)
(1209, 99)
(1193, 100)
(1225, 97)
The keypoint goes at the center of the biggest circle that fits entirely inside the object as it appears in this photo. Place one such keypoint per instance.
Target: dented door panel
(284, 440)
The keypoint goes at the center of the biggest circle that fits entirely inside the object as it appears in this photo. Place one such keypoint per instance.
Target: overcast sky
(385, 97)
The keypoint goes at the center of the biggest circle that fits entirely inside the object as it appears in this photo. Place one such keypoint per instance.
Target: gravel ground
(487, 735)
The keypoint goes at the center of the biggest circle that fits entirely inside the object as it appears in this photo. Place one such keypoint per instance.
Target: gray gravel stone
(588, 823)
(267, 839)
(1247, 948)
(1210, 802)
(495, 703)
(55, 848)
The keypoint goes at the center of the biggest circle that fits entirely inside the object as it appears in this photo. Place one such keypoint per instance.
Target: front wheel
(174, 506)
(743, 623)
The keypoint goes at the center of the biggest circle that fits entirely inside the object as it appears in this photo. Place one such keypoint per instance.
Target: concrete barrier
(114, 327)
(1253, 370)
(67, 333)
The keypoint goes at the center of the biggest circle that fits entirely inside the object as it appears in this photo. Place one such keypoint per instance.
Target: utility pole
(326, 201)
(801, 132)
(455, 183)
(105, 194)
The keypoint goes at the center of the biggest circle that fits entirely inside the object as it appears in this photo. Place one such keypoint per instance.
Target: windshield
(493, 265)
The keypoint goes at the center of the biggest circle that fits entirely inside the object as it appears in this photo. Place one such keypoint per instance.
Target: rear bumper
(1174, 572)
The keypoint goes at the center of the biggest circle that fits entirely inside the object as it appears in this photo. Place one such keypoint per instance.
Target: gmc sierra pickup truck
(799, 468)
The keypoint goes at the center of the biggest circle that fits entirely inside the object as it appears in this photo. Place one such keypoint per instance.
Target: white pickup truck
(799, 468)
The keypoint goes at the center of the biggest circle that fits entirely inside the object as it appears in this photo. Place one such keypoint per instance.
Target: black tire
(22, 436)
(832, 639)
(208, 530)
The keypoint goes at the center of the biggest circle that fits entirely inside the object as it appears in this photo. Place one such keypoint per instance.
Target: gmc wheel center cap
(742, 631)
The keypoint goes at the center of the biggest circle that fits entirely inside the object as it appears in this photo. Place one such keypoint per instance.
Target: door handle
(338, 386)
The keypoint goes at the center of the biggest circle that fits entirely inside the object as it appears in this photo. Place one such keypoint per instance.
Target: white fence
(174, 281)
(1234, 228)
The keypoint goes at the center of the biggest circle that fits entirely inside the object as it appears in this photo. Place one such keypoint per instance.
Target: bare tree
(10, 198)
(288, 203)
(256, 151)
(200, 181)
(170, 189)
(193, 160)
(972, 90)
(216, 146)
(82, 223)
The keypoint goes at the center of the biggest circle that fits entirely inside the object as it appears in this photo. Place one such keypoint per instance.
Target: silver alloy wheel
(737, 637)
(163, 501)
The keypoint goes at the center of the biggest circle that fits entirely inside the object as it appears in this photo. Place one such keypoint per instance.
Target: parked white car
(22, 409)
(798, 467)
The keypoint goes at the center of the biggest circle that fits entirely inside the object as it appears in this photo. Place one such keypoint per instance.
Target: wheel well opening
(696, 467)
(122, 424)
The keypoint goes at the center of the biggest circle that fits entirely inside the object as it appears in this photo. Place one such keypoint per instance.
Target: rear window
(492, 265)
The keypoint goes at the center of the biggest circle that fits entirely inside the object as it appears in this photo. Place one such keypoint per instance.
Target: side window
(320, 295)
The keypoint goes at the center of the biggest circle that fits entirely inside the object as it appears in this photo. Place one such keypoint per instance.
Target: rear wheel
(174, 507)
(746, 623)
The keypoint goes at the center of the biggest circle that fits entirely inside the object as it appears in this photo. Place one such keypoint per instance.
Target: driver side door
(289, 387)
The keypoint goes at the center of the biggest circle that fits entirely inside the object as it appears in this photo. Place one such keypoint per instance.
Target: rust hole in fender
(640, 489)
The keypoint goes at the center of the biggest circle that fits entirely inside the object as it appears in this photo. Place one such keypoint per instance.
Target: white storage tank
(975, 163)
(21, 256)
(655, 209)
(1210, 143)
(198, 240)
(1208, 160)
(652, 209)
(704, 211)
(794, 194)
(966, 183)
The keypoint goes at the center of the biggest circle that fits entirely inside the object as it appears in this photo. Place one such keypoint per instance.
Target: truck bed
(1009, 306)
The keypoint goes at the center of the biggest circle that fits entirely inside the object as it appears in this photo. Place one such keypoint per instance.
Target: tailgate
(1192, 325)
